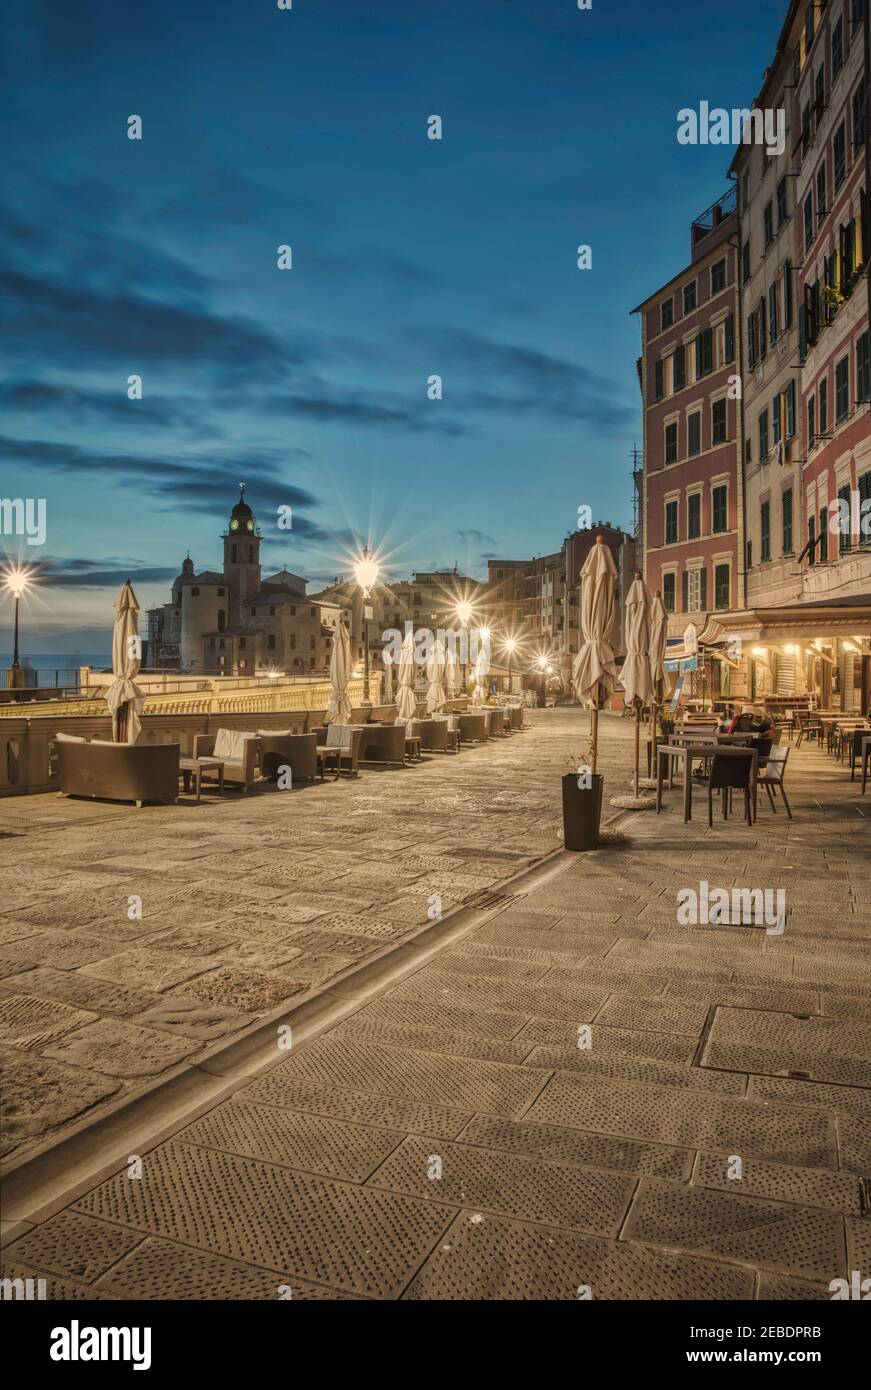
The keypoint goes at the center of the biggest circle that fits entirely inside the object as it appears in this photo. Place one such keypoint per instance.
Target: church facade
(235, 622)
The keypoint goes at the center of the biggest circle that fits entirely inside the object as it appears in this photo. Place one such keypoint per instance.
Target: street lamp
(366, 575)
(18, 582)
(464, 613)
(511, 648)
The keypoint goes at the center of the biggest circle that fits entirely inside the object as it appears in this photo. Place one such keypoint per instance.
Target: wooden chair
(809, 726)
(726, 774)
(772, 777)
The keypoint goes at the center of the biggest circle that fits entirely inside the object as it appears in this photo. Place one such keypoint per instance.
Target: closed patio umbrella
(594, 672)
(450, 673)
(406, 701)
(660, 683)
(635, 675)
(482, 667)
(339, 708)
(435, 670)
(124, 697)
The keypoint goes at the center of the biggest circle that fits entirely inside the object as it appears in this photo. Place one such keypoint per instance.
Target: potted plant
(582, 802)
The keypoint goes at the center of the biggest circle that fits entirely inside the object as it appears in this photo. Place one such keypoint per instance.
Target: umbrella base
(633, 803)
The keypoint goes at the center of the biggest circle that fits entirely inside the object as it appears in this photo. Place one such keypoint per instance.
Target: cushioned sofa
(118, 771)
(299, 752)
(239, 752)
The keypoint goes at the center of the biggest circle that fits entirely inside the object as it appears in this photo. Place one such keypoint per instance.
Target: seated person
(742, 723)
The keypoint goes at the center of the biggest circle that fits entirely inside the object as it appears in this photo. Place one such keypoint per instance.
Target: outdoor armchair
(341, 747)
(299, 752)
(237, 750)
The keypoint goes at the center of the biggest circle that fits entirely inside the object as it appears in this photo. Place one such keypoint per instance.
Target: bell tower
(241, 558)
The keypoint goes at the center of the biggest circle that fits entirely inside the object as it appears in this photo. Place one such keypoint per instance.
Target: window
(772, 314)
(824, 406)
(694, 516)
(808, 222)
(768, 223)
(839, 154)
(671, 442)
(859, 116)
(864, 485)
(811, 541)
(787, 294)
(311, 643)
(819, 94)
(695, 590)
(842, 389)
(253, 612)
(763, 435)
(845, 536)
(195, 593)
(719, 508)
(822, 201)
(668, 592)
(694, 432)
(745, 261)
(722, 586)
(704, 353)
(748, 451)
(763, 339)
(222, 621)
(659, 380)
(765, 532)
(781, 203)
(751, 341)
(293, 641)
(689, 297)
(270, 642)
(678, 368)
(776, 434)
(824, 535)
(718, 422)
(718, 276)
(786, 505)
(670, 523)
(805, 129)
(312, 613)
(749, 554)
(790, 408)
(837, 48)
(221, 593)
(666, 313)
(811, 419)
(729, 339)
(808, 27)
(241, 643)
(863, 367)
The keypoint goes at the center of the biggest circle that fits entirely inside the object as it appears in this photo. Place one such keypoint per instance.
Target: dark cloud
(474, 537)
(64, 404)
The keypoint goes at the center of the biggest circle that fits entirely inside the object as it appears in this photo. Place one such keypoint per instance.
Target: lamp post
(464, 613)
(366, 575)
(510, 647)
(17, 582)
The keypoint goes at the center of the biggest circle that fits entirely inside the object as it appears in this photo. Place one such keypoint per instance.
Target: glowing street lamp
(17, 581)
(464, 615)
(510, 644)
(366, 575)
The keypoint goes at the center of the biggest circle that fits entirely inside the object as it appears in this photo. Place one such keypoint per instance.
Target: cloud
(517, 380)
(474, 537)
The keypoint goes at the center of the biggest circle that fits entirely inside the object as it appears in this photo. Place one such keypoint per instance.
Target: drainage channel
(57, 1172)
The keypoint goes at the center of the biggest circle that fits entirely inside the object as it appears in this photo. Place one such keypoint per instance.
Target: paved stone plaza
(579, 1093)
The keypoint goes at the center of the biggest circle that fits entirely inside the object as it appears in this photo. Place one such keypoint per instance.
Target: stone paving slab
(563, 1168)
(807, 1241)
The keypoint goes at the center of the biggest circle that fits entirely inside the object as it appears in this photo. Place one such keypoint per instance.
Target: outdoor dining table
(666, 753)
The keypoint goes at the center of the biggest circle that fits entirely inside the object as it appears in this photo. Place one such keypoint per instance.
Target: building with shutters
(799, 625)
(692, 501)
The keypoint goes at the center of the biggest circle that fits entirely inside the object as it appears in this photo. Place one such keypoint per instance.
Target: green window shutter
(787, 295)
(704, 589)
(685, 592)
(730, 339)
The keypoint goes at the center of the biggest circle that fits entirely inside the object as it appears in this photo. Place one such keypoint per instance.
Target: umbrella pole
(637, 740)
(654, 711)
(594, 737)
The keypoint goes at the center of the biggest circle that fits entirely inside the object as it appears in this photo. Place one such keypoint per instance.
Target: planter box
(582, 812)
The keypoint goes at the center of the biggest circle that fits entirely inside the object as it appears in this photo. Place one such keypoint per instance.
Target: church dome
(241, 517)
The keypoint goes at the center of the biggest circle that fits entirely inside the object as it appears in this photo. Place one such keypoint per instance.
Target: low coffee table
(196, 767)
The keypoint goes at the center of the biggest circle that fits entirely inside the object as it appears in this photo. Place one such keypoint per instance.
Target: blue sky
(411, 257)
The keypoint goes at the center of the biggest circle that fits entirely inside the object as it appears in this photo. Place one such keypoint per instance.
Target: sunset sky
(411, 257)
